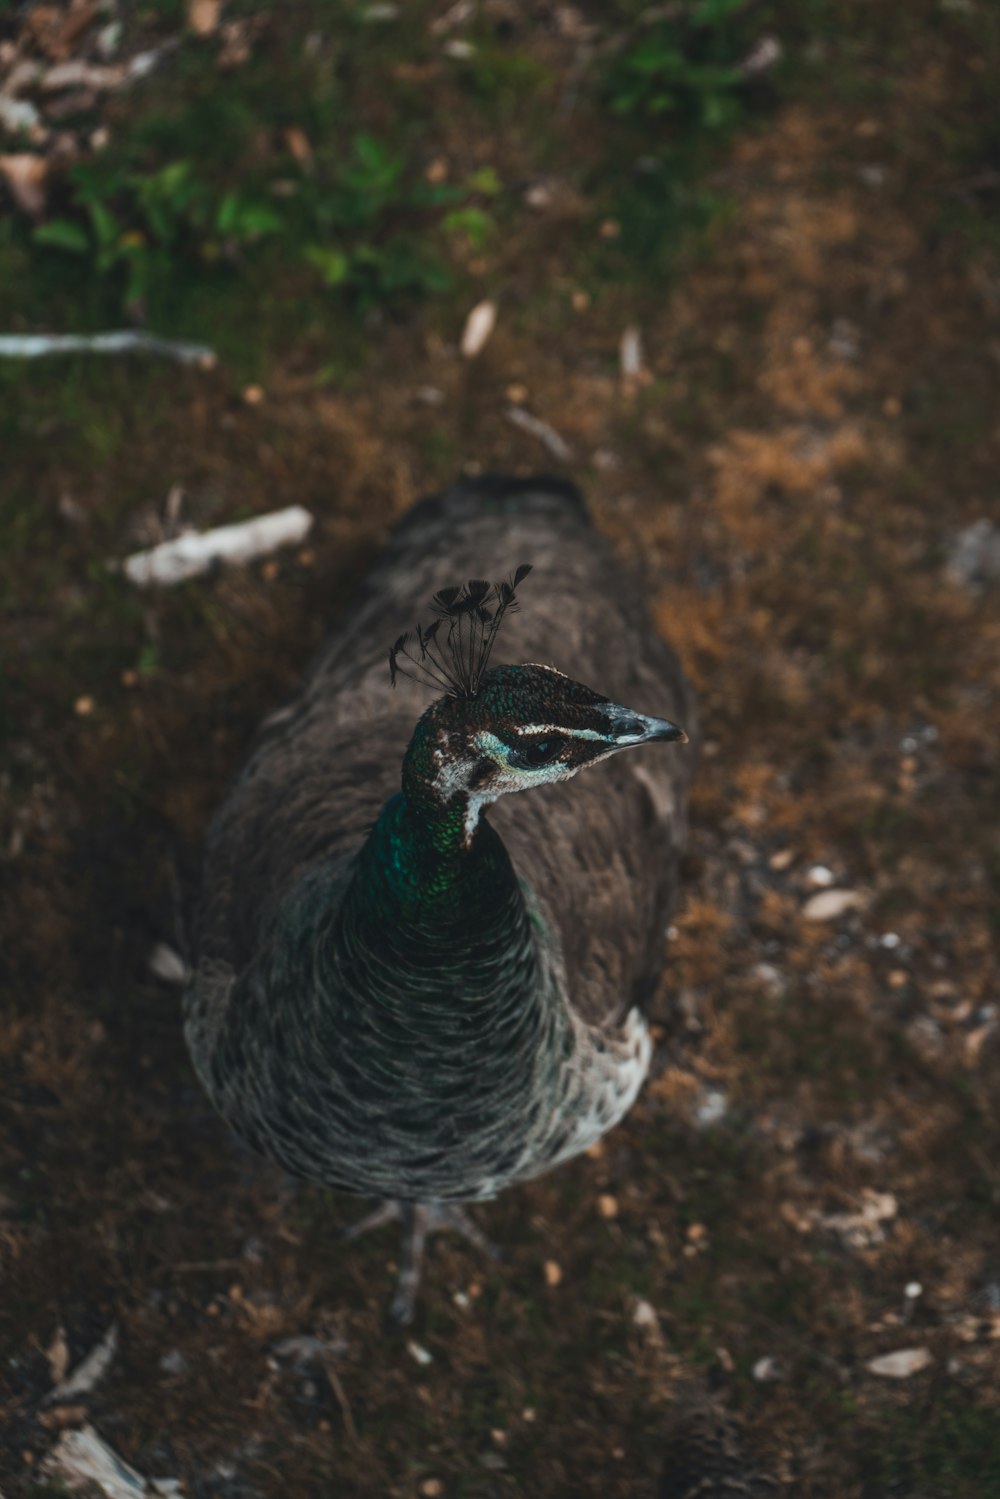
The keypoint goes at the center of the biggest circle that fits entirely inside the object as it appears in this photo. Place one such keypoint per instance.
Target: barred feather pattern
(482, 1045)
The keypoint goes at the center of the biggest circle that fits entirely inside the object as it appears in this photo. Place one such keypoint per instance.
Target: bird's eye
(539, 752)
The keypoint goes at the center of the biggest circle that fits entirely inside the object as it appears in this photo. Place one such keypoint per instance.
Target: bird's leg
(419, 1221)
(386, 1212)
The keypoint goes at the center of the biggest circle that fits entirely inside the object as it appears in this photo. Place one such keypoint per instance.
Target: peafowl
(407, 986)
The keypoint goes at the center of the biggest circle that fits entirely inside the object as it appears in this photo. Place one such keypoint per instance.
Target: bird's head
(526, 726)
(503, 729)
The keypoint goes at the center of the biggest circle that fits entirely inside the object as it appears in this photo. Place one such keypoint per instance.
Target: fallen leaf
(25, 176)
(203, 16)
(57, 1354)
(829, 904)
(479, 326)
(901, 1364)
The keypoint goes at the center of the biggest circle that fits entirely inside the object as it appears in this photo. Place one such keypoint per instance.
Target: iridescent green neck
(431, 859)
(420, 868)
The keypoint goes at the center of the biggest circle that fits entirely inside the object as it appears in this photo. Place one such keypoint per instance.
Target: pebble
(607, 1205)
(765, 1370)
(432, 1488)
(974, 555)
(819, 877)
(84, 706)
(770, 977)
(782, 859)
(901, 1364)
(553, 1273)
(712, 1108)
(419, 1353)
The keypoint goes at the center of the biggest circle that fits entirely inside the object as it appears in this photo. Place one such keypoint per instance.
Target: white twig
(547, 436)
(188, 556)
(82, 1460)
(88, 1372)
(36, 345)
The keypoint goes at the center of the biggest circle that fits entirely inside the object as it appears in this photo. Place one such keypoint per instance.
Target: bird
(408, 983)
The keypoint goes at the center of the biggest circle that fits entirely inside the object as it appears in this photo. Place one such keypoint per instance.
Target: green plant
(133, 224)
(685, 69)
(362, 223)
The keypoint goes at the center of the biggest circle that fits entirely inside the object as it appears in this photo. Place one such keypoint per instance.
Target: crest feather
(453, 652)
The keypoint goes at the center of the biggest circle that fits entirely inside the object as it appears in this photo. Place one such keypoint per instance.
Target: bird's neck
(434, 913)
(435, 869)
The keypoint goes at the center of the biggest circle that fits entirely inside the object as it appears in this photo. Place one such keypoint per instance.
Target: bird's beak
(636, 728)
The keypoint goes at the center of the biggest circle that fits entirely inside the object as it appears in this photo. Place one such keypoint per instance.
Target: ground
(811, 1178)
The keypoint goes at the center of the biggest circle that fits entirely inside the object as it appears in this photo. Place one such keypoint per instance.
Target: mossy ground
(821, 326)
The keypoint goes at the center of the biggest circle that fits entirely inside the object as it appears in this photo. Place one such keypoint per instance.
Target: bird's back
(599, 855)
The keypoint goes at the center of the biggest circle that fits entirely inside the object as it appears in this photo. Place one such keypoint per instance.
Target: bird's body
(395, 994)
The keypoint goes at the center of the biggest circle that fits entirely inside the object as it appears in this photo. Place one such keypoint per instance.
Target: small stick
(37, 345)
(547, 436)
(333, 1379)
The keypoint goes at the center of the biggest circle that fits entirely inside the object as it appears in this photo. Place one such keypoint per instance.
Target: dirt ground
(811, 1179)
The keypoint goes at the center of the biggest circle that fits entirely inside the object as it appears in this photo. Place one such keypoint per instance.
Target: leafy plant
(347, 222)
(685, 69)
(135, 224)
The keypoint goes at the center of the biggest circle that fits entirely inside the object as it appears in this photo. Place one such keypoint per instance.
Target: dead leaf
(478, 328)
(829, 904)
(25, 176)
(57, 1354)
(298, 145)
(901, 1364)
(203, 16)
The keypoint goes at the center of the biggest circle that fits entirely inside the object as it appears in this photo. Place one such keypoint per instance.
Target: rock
(711, 1109)
(974, 556)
